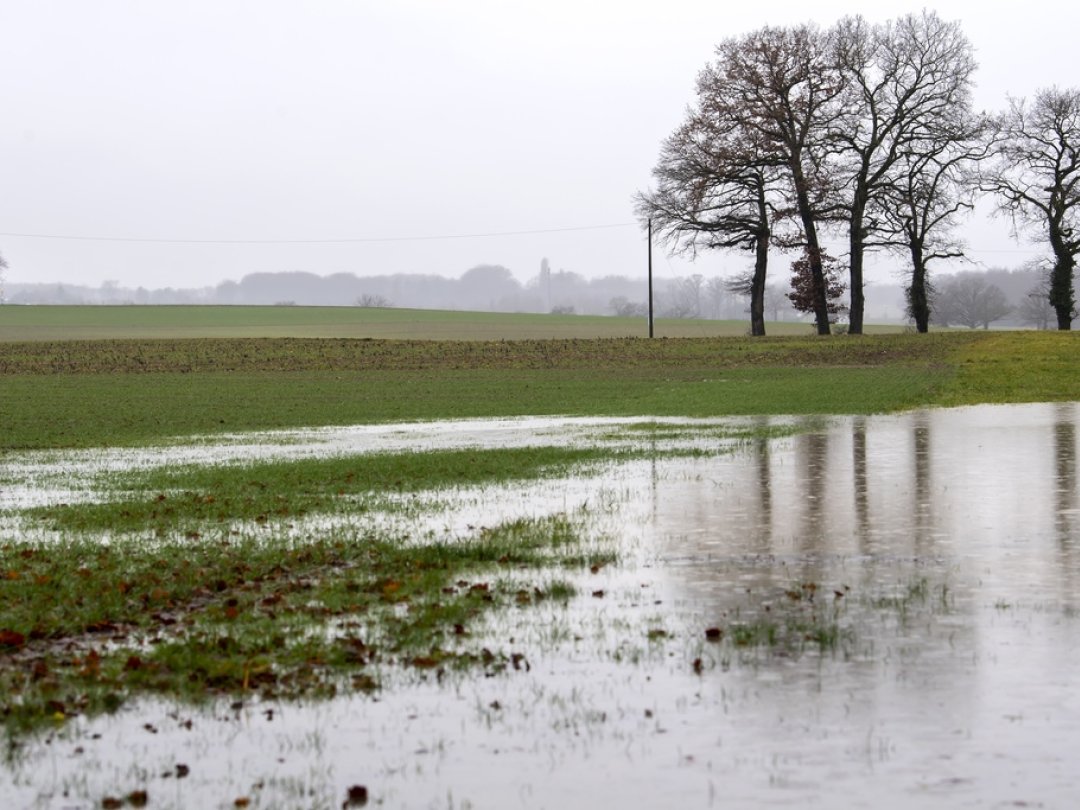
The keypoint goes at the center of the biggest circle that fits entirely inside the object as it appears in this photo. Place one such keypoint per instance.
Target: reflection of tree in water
(859, 482)
(764, 488)
(1066, 500)
(813, 449)
(1065, 472)
(923, 503)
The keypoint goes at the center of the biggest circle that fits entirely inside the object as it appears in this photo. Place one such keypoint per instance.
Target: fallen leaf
(357, 796)
(10, 638)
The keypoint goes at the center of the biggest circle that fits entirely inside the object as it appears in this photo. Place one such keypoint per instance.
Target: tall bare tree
(928, 192)
(908, 98)
(713, 188)
(1036, 179)
(968, 299)
(790, 95)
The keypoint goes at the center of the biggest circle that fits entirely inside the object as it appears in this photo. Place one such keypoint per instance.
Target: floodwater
(943, 546)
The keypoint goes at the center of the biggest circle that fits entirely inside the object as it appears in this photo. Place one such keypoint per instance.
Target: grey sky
(273, 120)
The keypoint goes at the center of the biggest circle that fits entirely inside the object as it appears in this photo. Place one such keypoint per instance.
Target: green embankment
(95, 393)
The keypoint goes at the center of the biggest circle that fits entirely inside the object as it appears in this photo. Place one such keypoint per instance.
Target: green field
(21, 323)
(131, 389)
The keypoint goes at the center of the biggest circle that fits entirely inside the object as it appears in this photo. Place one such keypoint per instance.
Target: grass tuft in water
(192, 498)
(83, 627)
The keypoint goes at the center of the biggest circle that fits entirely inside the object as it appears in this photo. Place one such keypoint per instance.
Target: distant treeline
(493, 288)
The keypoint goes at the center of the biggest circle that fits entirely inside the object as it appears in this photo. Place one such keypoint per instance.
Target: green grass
(190, 499)
(50, 323)
(88, 394)
(84, 626)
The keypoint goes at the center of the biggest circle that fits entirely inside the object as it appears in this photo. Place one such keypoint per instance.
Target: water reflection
(1065, 472)
(923, 501)
(760, 452)
(859, 479)
(1067, 501)
(812, 458)
(957, 533)
(946, 542)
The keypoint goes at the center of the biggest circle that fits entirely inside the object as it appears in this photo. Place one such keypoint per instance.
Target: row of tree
(868, 130)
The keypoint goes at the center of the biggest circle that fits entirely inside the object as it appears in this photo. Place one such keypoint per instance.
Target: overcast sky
(390, 124)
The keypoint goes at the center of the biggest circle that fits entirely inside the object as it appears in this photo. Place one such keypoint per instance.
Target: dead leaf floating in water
(357, 797)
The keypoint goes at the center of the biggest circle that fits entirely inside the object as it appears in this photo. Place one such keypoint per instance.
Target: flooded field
(876, 612)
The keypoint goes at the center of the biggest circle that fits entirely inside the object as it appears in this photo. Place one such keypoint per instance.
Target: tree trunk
(813, 246)
(856, 248)
(761, 266)
(917, 299)
(757, 288)
(1061, 290)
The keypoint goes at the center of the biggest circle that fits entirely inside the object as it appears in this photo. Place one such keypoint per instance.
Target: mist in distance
(388, 124)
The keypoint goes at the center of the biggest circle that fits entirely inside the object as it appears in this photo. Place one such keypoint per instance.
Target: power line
(344, 240)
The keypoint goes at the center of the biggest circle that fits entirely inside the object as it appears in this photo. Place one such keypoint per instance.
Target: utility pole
(650, 280)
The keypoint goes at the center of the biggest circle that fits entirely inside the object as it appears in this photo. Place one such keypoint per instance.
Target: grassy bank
(86, 394)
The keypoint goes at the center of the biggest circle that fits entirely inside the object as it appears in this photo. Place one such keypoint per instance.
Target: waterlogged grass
(805, 616)
(670, 432)
(85, 626)
(827, 620)
(128, 392)
(192, 498)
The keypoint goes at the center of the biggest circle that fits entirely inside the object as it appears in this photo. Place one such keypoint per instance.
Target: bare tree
(1036, 178)
(717, 298)
(790, 95)
(967, 299)
(713, 185)
(1034, 308)
(776, 301)
(374, 301)
(908, 99)
(623, 307)
(682, 298)
(923, 202)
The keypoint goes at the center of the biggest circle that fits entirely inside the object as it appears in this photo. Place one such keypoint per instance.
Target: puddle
(944, 545)
(38, 478)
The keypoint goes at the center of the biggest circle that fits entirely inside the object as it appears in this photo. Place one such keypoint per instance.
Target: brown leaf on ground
(10, 638)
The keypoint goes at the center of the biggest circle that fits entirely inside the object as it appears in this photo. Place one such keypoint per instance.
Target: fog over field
(181, 145)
